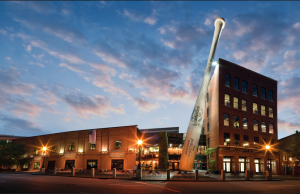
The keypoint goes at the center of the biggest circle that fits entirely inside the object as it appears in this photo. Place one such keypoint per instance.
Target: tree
(163, 150)
(11, 153)
(295, 146)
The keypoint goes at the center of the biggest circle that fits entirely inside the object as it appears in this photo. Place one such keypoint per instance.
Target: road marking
(282, 186)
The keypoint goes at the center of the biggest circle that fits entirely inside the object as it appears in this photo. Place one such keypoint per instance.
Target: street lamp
(140, 142)
(268, 149)
(44, 153)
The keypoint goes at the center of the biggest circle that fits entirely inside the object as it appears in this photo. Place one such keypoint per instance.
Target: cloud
(133, 15)
(72, 68)
(37, 63)
(9, 60)
(38, 57)
(144, 105)
(288, 126)
(3, 32)
(150, 20)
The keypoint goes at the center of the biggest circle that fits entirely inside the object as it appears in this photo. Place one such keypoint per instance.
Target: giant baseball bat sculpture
(194, 129)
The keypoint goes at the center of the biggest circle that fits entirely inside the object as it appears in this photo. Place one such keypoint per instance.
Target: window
(92, 164)
(236, 102)
(257, 165)
(207, 112)
(70, 164)
(227, 80)
(244, 105)
(236, 121)
(237, 140)
(270, 95)
(255, 125)
(270, 112)
(255, 110)
(36, 151)
(246, 141)
(263, 93)
(271, 129)
(118, 145)
(227, 100)
(92, 146)
(256, 142)
(208, 143)
(263, 127)
(25, 165)
(53, 150)
(254, 88)
(236, 83)
(284, 156)
(263, 110)
(207, 97)
(244, 87)
(71, 146)
(242, 165)
(226, 120)
(207, 127)
(245, 123)
(226, 139)
(36, 165)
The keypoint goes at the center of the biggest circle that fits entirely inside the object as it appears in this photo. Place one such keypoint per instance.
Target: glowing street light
(44, 153)
(268, 165)
(140, 142)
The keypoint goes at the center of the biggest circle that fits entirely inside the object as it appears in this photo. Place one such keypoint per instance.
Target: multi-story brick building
(241, 116)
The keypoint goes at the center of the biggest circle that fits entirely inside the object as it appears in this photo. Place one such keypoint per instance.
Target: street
(27, 183)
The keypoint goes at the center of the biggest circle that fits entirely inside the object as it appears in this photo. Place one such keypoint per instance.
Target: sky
(68, 66)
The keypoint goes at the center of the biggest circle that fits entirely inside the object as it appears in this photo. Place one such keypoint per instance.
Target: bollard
(54, 170)
(196, 174)
(73, 171)
(247, 174)
(138, 173)
(114, 173)
(93, 172)
(222, 175)
(42, 171)
(168, 174)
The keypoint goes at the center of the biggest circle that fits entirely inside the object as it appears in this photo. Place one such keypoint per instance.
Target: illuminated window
(227, 80)
(118, 145)
(236, 83)
(270, 95)
(236, 121)
(227, 139)
(255, 110)
(92, 164)
(255, 125)
(53, 150)
(270, 112)
(263, 127)
(25, 165)
(227, 100)
(245, 123)
(284, 156)
(36, 151)
(244, 105)
(263, 110)
(92, 146)
(235, 102)
(256, 142)
(237, 140)
(271, 130)
(263, 93)
(36, 165)
(71, 146)
(226, 120)
(246, 141)
(244, 87)
(254, 88)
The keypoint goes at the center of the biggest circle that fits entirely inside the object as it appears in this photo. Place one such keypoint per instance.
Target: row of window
(236, 123)
(245, 87)
(244, 106)
(245, 140)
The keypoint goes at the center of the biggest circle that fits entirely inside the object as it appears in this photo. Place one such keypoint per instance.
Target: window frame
(226, 120)
(71, 146)
(263, 129)
(271, 124)
(271, 112)
(244, 118)
(262, 112)
(92, 147)
(227, 80)
(227, 102)
(234, 121)
(118, 146)
(272, 98)
(255, 125)
(263, 94)
(235, 103)
(244, 88)
(254, 108)
(254, 90)
(236, 82)
(244, 105)
(226, 139)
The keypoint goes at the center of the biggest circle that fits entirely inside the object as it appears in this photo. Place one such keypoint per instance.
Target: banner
(92, 136)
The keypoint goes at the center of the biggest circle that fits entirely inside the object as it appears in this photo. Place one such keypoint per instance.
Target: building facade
(114, 148)
(241, 118)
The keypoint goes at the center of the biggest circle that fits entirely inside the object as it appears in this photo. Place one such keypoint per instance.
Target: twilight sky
(68, 66)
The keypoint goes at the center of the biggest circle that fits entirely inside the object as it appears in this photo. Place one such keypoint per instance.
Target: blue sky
(68, 66)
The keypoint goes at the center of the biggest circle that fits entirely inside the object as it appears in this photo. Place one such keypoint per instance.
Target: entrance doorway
(70, 164)
(257, 165)
(226, 164)
(118, 164)
(242, 164)
(51, 164)
(92, 164)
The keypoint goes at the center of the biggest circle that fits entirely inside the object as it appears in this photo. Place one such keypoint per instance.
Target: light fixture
(214, 63)
(227, 139)
(44, 148)
(268, 147)
(140, 142)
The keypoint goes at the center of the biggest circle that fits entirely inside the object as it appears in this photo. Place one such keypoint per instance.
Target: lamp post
(44, 153)
(140, 142)
(268, 165)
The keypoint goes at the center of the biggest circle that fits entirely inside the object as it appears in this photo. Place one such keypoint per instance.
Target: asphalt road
(27, 183)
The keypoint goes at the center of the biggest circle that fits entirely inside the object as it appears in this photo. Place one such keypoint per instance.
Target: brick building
(241, 115)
